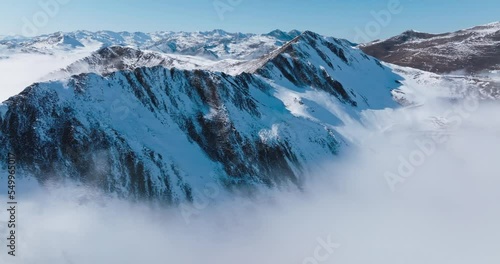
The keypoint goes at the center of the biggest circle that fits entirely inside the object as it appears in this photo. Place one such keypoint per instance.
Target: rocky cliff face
(130, 123)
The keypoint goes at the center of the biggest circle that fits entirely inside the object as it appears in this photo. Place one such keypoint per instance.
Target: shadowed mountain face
(471, 50)
(126, 121)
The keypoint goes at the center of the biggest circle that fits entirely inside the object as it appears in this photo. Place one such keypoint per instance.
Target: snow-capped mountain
(215, 45)
(137, 123)
(43, 44)
(470, 50)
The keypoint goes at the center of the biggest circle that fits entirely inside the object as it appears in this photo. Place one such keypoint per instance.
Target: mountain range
(161, 115)
(216, 44)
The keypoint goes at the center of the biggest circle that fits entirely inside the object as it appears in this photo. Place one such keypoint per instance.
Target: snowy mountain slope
(334, 66)
(137, 127)
(148, 141)
(419, 85)
(471, 50)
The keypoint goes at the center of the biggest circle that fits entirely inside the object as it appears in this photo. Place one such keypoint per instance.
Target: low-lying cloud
(20, 70)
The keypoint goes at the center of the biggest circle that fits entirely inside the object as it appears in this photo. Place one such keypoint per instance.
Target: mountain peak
(310, 34)
(410, 32)
(282, 35)
(71, 42)
(219, 32)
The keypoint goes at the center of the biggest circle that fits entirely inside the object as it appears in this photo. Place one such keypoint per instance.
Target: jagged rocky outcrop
(136, 127)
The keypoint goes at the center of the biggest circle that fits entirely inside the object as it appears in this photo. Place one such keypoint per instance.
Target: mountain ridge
(136, 130)
(473, 50)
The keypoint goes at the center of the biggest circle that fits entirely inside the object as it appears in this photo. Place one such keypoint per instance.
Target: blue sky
(351, 19)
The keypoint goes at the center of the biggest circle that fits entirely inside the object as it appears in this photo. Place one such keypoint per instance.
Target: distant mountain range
(216, 44)
(470, 51)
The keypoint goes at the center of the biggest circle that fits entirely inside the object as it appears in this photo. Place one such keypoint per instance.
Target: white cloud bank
(20, 70)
